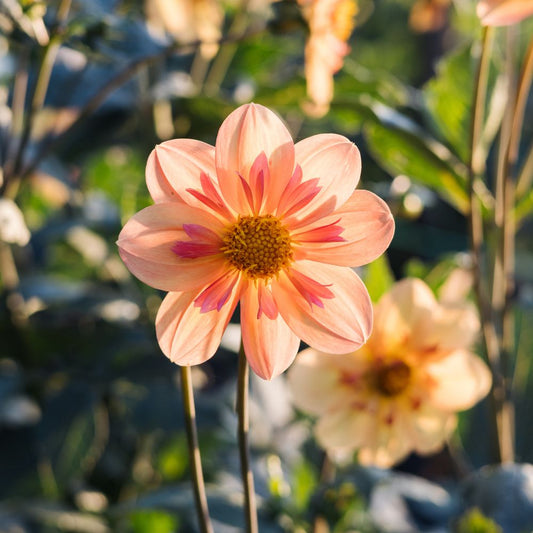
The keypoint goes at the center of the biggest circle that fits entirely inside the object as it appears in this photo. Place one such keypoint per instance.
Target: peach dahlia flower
(399, 392)
(260, 221)
(330, 25)
(503, 12)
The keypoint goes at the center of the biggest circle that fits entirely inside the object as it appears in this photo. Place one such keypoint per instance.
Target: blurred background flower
(398, 393)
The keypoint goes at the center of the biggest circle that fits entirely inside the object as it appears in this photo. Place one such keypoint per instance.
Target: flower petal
(175, 166)
(146, 246)
(315, 381)
(186, 335)
(270, 346)
(460, 381)
(246, 133)
(336, 162)
(503, 12)
(399, 313)
(344, 322)
(368, 228)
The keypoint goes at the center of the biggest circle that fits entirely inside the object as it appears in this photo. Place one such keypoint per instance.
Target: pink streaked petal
(267, 305)
(176, 165)
(203, 242)
(327, 233)
(215, 295)
(368, 228)
(246, 133)
(299, 198)
(336, 162)
(311, 290)
(210, 197)
(270, 346)
(345, 321)
(248, 195)
(259, 180)
(146, 241)
(185, 334)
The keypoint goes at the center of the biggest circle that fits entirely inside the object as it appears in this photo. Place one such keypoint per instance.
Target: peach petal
(368, 228)
(344, 322)
(175, 166)
(430, 429)
(460, 381)
(185, 334)
(146, 246)
(267, 305)
(216, 294)
(246, 133)
(503, 12)
(270, 346)
(336, 162)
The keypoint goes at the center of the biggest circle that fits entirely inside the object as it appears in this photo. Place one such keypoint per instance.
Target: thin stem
(490, 338)
(42, 83)
(243, 428)
(200, 498)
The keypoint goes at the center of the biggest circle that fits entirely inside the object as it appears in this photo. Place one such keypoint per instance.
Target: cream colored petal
(316, 380)
(185, 334)
(247, 132)
(270, 346)
(398, 314)
(368, 228)
(342, 324)
(459, 381)
(345, 429)
(175, 166)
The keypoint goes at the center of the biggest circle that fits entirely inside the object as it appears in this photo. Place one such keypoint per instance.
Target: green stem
(475, 166)
(243, 429)
(200, 498)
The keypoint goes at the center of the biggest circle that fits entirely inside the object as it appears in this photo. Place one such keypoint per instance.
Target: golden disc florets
(260, 246)
(391, 379)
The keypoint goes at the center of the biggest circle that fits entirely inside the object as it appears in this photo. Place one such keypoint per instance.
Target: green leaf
(401, 149)
(449, 99)
(524, 208)
(153, 522)
(378, 277)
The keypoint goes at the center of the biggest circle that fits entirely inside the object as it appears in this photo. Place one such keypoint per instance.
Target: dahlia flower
(400, 391)
(503, 12)
(259, 221)
(330, 25)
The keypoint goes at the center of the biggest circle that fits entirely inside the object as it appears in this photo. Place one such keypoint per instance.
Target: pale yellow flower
(398, 393)
(330, 25)
(188, 21)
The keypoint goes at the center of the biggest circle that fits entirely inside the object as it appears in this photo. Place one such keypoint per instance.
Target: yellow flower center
(260, 246)
(344, 18)
(391, 379)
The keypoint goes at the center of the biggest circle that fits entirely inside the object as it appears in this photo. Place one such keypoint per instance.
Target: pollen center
(260, 246)
(392, 378)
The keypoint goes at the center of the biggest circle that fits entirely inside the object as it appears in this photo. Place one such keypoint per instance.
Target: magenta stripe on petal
(216, 294)
(311, 290)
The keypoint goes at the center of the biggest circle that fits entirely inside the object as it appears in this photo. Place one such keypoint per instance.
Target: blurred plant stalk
(493, 240)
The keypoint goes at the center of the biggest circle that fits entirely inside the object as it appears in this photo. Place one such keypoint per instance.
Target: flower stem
(200, 498)
(475, 167)
(243, 428)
